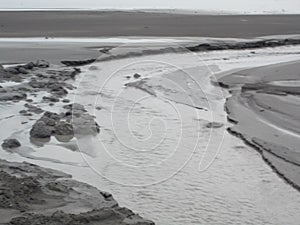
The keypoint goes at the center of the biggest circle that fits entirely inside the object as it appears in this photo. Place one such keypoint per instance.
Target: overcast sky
(219, 5)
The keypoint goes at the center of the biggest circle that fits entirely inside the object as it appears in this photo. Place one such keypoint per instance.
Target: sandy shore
(101, 24)
(265, 110)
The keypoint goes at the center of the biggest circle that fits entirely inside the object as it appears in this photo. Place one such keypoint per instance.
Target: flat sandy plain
(120, 23)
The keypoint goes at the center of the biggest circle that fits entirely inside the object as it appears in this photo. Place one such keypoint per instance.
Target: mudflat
(121, 23)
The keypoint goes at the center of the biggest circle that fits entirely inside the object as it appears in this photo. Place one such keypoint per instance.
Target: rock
(63, 128)
(34, 109)
(40, 130)
(69, 73)
(23, 111)
(66, 100)
(48, 121)
(10, 143)
(12, 96)
(85, 124)
(60, 91)
(12, 70)
(52, 115)
(36, 84)
(75, 107)
(50, 99)
(92, 68)
(82, 122)
(214, 125)
(29, 66)
(78, 70)
(42, 64)
(22, 70)
(136, 76)
(78, 62)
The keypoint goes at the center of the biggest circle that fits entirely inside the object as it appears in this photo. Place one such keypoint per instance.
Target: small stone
(136, 76)
(50, 99)
(65, 100)
(93, 68)
(29, 100)
(214, 125)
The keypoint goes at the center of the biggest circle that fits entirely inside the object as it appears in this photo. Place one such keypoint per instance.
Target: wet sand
(120, 23)
(265, 111)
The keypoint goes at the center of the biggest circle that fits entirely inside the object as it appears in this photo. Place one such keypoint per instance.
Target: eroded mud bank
(265, 108)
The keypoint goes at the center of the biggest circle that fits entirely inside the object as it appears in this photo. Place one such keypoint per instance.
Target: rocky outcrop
(41, 77)
(32, 195)
(75, 121)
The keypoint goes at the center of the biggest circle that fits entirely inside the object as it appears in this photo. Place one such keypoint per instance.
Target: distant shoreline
(146, 10)
(88, 23)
